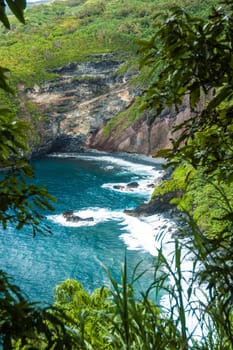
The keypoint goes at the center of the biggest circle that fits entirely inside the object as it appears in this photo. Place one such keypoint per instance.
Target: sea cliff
(69, 113)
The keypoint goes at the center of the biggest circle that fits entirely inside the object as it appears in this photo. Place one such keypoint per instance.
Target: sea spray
(177, 261)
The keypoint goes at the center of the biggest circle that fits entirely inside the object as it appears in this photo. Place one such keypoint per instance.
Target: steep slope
(78, 102)
(67, 64)
(140, 136)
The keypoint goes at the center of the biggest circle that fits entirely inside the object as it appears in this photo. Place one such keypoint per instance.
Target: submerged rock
(126, 187)
(118, 187)
(68, 213)
(70, 216)
(132, 184)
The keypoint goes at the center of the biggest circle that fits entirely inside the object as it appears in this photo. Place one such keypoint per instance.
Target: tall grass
(190, 316)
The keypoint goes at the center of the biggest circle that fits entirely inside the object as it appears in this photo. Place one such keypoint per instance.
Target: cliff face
(77, 103)
(140, 137)
(71, 110)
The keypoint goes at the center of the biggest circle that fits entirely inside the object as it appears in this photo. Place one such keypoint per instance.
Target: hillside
(81, 32)
(79, 89)
(65, 30)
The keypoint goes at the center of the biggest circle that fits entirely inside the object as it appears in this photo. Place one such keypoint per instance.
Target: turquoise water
(93, 185)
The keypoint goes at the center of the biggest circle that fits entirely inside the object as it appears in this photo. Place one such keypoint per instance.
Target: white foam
(147, 234)
(165, 240)
(109, 167)
(145, 186)
(98, 215)
(150, 234)
(137, 234)
(145, 175)
(141, 235)
(122, 163)
(127, 165)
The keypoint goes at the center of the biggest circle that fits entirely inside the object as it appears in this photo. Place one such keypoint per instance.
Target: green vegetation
(208, 201)
(66, 31)
(124, 119)
(186, 55)
(116, 319)
(62, 31)
(23, 325)
(197, 61)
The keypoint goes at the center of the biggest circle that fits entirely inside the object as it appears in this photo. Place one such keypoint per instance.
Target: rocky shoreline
(75, 107)
(159, 205)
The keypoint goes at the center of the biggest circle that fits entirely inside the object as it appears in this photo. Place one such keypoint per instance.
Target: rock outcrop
(70, 111)
(70, 216)
(140, 136)
(159, 204)
(77, 103)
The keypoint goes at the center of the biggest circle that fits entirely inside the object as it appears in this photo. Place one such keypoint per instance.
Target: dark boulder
(76, 218)
(70, 216)
(68, 213)
(118, 187)
(133, 184)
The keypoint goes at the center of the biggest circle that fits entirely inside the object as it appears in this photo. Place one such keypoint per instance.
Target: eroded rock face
(78, 102)
(140, 137)
(72, 110)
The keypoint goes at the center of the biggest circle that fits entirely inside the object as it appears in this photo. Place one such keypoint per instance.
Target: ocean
(93, 185)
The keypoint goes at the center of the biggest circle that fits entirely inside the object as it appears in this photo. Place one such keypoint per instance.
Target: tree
(17, 7)
(21, 203)
(193, 58)
(89, 313)
(22, 324)
(115, 318)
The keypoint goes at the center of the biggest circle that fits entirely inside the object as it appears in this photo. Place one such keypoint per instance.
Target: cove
(92, 185)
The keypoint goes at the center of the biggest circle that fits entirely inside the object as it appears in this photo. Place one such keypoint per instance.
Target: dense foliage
(64, 31)
(21, 202)
(117, 319)
(197, 62)
(187, 55)
(23, 325)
